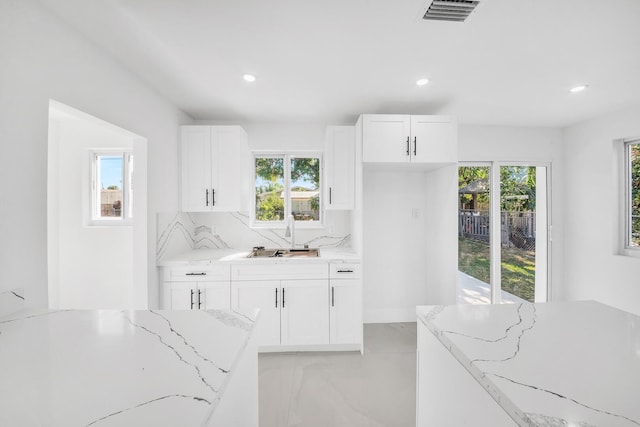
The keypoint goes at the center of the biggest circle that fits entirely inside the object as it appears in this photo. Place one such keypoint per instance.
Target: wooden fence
(518, 229)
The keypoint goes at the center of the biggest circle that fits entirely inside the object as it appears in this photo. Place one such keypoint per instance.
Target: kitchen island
(128, 368)
(571, 364)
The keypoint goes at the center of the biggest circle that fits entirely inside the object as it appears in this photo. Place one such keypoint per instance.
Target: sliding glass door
(502, 233)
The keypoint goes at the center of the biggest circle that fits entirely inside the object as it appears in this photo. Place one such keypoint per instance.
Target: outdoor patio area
(474, 291)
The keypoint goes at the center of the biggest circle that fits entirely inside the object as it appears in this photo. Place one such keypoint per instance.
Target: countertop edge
(202, 257)
(500, 398)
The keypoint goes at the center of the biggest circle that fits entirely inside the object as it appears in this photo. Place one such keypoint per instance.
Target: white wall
(593, 268)
(94, 265)
(522, 144)
(285, 136)
(394, 245)
(42, 59)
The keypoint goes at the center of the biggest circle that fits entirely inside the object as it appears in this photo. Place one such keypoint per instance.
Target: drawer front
(241, 272)
(207, 273)
(344, 270)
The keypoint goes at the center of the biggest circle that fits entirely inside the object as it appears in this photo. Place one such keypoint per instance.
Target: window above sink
(287, 184)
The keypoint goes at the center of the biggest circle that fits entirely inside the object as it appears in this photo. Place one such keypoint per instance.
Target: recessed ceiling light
(249, 78)
(422, 82)
(577, 89)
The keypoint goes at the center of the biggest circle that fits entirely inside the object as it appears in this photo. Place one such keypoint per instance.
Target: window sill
(107, 223)
(633, 253)
(278, 226)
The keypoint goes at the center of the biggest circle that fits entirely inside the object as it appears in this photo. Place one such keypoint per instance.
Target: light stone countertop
(117, 367)
(211, 256)
(573, 364)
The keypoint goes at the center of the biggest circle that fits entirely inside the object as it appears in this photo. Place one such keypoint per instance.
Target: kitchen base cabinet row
(311, 308)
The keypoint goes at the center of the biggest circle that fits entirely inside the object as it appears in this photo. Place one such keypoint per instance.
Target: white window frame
(287, 156)
(627, 202)
(127, 188)
(543, 292)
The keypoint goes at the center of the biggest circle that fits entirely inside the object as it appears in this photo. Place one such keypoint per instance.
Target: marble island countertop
(556, 364)
(117, 368)
(209, 256)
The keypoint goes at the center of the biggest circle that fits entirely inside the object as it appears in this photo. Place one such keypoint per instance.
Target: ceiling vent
(449, 10)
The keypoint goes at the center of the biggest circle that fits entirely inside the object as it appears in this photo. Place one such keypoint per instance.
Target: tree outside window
(287, 185)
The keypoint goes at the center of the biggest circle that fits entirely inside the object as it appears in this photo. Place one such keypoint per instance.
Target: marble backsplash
(179, 232)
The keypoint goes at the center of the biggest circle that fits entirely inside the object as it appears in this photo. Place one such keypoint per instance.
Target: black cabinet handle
(329, 195)
(408, 146)
(415, 145)
(282, 297)
(213, 197)
(199, 298)
(196, 274)
(207, 196)
(345, 271)
(276, 297)
(332, 295)
(192, 299)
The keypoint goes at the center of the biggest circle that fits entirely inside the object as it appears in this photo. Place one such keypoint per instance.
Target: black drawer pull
(196, 274)
(345, 271)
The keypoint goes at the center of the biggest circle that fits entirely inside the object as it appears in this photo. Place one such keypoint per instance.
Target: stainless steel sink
(261, 252)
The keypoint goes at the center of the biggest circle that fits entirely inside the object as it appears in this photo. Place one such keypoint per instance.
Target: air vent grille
(450, 10)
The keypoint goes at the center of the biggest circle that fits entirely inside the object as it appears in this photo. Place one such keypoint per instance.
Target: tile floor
(377, 389)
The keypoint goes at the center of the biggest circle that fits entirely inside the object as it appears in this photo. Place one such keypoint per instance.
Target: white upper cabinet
(214, 168)
(339, 167)
(433, 139)
(386, 138)
(393, 138)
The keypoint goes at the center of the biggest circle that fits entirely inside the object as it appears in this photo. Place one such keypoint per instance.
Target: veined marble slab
(117, 368)
(555, 364)
(11, 301)
(179, 232)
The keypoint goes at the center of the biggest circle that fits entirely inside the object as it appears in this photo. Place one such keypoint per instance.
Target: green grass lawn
(518, 267)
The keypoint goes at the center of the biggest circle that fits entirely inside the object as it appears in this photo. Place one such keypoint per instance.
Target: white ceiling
(511, 63)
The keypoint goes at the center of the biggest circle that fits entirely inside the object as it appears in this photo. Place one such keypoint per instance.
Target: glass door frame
(495, 227)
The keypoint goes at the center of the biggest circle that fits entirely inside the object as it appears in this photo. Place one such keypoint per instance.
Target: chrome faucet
(291, 230)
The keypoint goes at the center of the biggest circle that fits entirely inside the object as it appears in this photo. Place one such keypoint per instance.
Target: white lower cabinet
(303, 306)
(264, 295)
(304, 312)
(345, 305)
(199, 295)
(193, 289)
(292, 312)
(346, 312)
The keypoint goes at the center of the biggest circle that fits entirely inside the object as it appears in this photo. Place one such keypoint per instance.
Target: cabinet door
(182, 296)
(345, 311)
(305, 312)
(339, 167)
(214, 295)
(433, 139)
(228, 158)
(265, 295)
(196, 168)
(385, 138)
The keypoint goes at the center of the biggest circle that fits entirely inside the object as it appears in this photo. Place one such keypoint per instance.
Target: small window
(112, 187)
(287, 184)
(632, 194)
